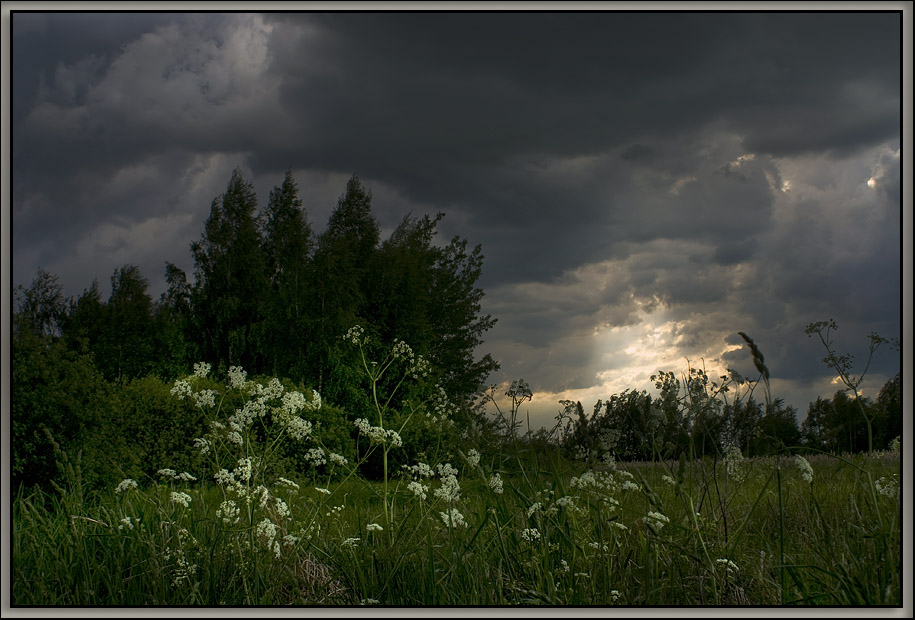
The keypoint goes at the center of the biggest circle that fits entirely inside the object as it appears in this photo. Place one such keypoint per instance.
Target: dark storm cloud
(702, 172)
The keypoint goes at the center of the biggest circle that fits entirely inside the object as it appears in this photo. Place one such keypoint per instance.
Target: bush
(54, 390)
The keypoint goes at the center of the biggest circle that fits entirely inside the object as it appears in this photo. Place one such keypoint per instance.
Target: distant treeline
(636, 426)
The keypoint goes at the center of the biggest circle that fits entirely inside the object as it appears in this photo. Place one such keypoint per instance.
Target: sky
(644, 185)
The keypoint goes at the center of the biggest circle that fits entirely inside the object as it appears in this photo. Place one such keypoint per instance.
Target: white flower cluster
(337, 459)
(441, 407)
(418, 489)
(450, 489)
(453, 518)
(734, 463)
(656, 519)
(238, 378)
(355, 335)
(201, 369)
(420, 470)
(887, 487)
(182, 477)
(266, 532)
(123, 485)
(804, 466)
(127, 523)
(728, 565)
(287, 482)
(376, 434)
(316, 457)
(530, 534)
(495, 483)
(179, 497)
(373, 527)
(229, 512)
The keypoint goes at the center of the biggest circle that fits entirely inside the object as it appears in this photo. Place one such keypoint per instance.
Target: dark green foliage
(286, 248)
(230, 278)
(339, 280)
(53, 390)
(148, 429)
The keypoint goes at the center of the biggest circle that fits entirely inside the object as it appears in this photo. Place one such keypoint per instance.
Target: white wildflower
(351, 542)
(418, 489)
(453, 518)
(887, 487)
(201, 369)
(355, 335)
(281, 508)
(287, 482)
(237, 377)
(804, 466)
(204, 398)
(473, 457)
(316, 457)
(374, 527)
(123, 485)
(202, 444)
(181, 389)
(531, 534)
(656, 519)
(668, 480)
(180, 497)
(495, 483)
(337, 459)
(229, 512)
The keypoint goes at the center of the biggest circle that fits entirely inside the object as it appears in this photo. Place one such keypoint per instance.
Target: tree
(41, 307)
(175, 342)
(127, 341)
(339, 275)
(456, 318)
(230, 278)
(889, 410)
(85, 320)
(777, 428)
(286, 247)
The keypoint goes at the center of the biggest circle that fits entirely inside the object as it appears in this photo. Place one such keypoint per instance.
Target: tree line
(271, 296)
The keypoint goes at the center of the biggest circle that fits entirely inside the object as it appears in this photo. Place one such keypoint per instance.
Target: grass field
(527, 528)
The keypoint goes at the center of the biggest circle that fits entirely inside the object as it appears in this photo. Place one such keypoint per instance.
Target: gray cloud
(697, 173)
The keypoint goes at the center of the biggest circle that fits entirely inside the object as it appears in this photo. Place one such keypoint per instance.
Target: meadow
(517, 524)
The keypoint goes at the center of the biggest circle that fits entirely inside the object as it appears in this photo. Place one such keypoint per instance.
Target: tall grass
(520, 526)
(634, 534)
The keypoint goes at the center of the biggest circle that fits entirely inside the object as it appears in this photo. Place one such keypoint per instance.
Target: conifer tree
(286, 247)
(230, 278)
(340, 271)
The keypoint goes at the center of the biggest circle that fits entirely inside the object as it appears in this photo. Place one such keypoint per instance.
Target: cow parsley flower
(229, 512)
(473, 457)
(418, 489)
(531, 534)
(123, 485)
(656, 519)
(495, 483)
(316, 457)
(804, 466)
(179, 497)
(201, 369)
(728, 565)
(453, 518)
(374, 527)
